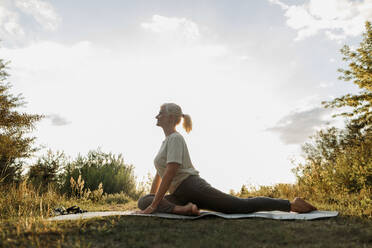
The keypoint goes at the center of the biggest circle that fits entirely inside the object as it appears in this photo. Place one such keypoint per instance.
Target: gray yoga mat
(276, 215)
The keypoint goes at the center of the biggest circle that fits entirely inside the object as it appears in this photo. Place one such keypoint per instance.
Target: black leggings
(198, 191)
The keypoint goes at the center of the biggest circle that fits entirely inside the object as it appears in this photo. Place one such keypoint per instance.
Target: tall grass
(24, 210)
(350, 204)
(26, 201)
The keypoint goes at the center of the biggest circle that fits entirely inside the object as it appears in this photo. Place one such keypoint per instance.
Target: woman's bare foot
(188, 209)
(299, 205)
(192, 209)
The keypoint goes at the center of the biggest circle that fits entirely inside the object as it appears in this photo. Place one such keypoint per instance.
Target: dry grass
(24, 211)
(348, 204)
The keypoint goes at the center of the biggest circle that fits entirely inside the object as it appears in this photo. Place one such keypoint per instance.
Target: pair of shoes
(71, 210)
(60, 211)
(75, 210)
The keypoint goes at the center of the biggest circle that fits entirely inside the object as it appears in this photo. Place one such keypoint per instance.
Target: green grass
(24, 212)
(134, 231)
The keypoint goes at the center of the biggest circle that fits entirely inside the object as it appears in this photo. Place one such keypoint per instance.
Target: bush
(336, 174)
(46, 170)
(98, 167)
(338, 169)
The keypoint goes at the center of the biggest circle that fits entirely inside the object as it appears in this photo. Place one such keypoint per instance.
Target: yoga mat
(276, 215)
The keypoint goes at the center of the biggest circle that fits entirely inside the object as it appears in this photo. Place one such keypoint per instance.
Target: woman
(188, 191)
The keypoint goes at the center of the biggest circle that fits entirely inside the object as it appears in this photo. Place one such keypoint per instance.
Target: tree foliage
(47, 170)
(359, 72)
(338, 168)
(15, 145)
(338, 162)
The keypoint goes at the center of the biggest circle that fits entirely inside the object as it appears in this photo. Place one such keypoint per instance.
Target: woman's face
(162, 118)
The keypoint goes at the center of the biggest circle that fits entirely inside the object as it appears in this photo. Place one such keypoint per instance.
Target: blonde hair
(175, 110)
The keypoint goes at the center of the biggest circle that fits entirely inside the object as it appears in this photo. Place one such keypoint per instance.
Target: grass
(134, 231)
(349, 204)
(24, 223)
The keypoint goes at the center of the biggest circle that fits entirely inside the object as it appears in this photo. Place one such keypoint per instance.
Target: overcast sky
(251, 74)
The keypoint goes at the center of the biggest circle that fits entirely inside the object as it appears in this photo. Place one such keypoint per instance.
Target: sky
(251, 74)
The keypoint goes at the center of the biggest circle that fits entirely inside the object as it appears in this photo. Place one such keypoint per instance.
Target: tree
(14, 126)
(338, 162)
(360, 73)
(338, 168)
(46, 171)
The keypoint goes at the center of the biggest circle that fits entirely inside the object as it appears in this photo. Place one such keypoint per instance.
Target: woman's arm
(155, 184)
(169, 174)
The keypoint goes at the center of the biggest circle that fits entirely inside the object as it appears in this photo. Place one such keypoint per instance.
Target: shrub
(46, 170)
(98, 167)
(338, 169)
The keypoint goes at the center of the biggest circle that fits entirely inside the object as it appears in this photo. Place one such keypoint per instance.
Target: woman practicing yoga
(188, 191)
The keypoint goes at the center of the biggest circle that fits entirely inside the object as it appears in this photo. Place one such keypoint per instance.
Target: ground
(137, 231)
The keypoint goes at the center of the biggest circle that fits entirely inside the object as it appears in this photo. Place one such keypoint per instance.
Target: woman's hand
(148, 210)
(169, 174)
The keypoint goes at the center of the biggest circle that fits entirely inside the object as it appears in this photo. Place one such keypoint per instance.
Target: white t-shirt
(174, 149)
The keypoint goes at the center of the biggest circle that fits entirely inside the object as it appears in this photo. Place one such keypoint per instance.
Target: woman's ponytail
(175, 110)
(187, 123)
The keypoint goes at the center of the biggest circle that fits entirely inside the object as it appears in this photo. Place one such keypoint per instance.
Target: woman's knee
(145, 201)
